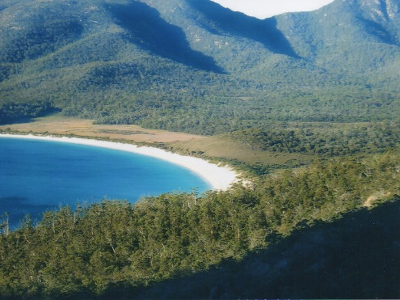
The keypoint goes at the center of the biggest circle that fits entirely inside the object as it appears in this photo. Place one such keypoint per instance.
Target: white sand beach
(219, 177)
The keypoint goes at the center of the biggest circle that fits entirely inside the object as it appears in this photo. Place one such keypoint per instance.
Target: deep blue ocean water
(37, 175)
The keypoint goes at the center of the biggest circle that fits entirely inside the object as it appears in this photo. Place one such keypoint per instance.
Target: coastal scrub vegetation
(326, 139)
(115, 248)
(353, 257)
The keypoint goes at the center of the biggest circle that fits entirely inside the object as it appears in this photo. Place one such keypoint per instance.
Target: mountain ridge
(174, 64)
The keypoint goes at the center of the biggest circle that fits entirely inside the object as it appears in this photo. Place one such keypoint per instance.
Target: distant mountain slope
(347, 36)
(195, 66)
(147, 29)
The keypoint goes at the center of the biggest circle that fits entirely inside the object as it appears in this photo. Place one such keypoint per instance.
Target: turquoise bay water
(37, 175)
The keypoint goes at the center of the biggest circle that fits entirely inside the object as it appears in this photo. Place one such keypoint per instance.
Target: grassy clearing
(219, 147)
(57, 124)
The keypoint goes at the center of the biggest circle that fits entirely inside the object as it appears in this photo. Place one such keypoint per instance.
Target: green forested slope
(190, 65)
(322, 138)
(350, 258)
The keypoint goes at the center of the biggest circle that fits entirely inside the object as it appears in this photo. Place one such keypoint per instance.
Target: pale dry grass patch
(85, 128)
(220, 146)
(376, 196)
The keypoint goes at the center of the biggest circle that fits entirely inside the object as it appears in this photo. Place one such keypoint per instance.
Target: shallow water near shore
(36, 175)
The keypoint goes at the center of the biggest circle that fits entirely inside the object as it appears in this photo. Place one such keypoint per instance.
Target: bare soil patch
(376, 196)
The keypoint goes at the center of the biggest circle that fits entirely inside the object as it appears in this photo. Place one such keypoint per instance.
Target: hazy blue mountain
(188, 64)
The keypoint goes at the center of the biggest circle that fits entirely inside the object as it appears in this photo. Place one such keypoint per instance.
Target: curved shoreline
(218, 177)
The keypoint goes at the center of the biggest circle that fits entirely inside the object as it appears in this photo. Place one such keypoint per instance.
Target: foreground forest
(116, 249)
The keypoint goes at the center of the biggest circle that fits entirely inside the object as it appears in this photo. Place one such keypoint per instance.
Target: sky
(267, 8)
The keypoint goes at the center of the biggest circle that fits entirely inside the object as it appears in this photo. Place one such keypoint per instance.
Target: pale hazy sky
(267, 8)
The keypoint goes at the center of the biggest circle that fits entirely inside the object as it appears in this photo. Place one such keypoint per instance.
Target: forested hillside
(350, 258)
(191, 65)
(325, 139)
